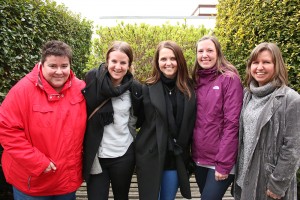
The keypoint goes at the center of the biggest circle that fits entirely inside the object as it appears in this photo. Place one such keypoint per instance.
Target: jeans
(115, 171)
(169, 185)
(18, 195)
(211, 189)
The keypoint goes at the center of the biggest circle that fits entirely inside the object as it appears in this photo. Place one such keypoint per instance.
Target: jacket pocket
(46, 181)
(43, 115)
(15, 174)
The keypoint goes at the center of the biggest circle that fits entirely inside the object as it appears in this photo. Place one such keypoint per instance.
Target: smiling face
(167, 63)
(118, 65)
(206, 54)
(56, 71)
(263, 68)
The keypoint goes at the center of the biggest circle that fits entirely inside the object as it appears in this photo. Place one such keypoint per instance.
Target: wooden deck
(133, 193)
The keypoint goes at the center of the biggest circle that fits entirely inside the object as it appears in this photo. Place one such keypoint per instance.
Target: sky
(110, 12)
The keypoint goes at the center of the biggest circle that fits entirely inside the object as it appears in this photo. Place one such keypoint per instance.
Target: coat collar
(158, 101)
(157, 98)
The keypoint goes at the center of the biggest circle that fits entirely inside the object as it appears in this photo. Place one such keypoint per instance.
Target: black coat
(151, 143)
(94, 130)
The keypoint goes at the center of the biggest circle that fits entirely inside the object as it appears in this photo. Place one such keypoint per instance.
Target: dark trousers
(6, 191)
(211, 189)
(117, 171)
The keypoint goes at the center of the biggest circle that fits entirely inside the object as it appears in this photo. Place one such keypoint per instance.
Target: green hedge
(241, 25)
(144, 38)
(26, 25)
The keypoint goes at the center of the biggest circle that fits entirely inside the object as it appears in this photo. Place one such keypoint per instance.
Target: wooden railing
(199, 11)
(133, 193)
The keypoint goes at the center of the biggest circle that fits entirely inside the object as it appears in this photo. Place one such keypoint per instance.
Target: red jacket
(38, 125)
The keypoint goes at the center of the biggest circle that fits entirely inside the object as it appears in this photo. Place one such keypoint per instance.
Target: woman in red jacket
(42, 124)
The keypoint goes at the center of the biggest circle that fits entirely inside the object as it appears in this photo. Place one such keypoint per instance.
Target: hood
(36, 77)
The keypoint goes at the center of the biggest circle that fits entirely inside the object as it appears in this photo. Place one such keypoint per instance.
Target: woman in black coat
(108, 149)
(163, 142)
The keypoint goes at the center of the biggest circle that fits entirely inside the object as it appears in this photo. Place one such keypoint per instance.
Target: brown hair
(280, 76)
(123, 47)
(222, 63)
(183, 80)
(56, 48)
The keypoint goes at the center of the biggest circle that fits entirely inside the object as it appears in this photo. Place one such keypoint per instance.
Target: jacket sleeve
(233, 99)
(289, 154)
(13, 137)
(137, 101)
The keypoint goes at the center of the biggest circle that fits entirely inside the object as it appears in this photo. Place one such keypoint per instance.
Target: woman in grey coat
(269, 144)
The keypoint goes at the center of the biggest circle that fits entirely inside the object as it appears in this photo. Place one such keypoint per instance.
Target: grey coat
(275, 155)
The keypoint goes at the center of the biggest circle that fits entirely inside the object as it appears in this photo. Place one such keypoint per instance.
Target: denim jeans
(18, 195)
(211, 189)
(169, 185)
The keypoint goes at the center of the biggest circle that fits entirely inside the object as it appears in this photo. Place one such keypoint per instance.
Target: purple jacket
(219, 102)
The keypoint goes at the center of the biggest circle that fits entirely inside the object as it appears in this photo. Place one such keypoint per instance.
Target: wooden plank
(81, 193)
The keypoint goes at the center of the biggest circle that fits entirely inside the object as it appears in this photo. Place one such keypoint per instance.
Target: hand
(220, 177)
(50, 167)
(272, 195)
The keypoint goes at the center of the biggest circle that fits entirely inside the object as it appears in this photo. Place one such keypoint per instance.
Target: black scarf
(174, 105)
(174, 108)
(104, 90)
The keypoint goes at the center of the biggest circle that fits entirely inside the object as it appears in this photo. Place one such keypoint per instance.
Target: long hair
(183, 82)
(280, 76)
(222, 64)
(123, 47)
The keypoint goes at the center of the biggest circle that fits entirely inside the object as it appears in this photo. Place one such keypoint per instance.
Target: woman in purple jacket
(219, 95)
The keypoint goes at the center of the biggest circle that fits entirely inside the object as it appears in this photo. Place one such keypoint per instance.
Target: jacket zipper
(28, 182)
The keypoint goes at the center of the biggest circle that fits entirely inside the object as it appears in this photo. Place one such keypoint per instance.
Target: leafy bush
(143, 39)
(26, 25)
(241, 25)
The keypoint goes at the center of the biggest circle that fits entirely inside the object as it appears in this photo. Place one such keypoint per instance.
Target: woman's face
(56, 71)
(118, 65)
(206, 54)
(263, 68)
(167, 63)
